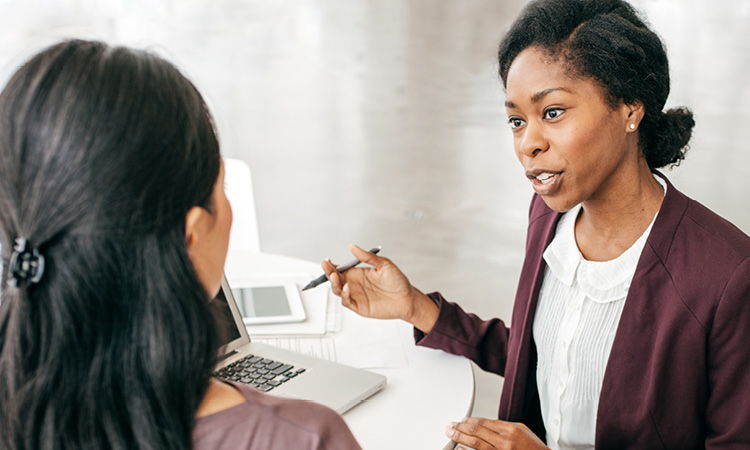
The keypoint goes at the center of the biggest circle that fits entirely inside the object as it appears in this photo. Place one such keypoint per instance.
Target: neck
(219, 396)
(620, 211)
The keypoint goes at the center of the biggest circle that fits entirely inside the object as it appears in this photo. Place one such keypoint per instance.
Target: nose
(533, 141)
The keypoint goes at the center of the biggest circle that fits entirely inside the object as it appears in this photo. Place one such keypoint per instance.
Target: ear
(195, 223)
(634, 114)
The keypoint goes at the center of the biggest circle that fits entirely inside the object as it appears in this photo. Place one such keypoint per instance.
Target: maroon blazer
(678, 375)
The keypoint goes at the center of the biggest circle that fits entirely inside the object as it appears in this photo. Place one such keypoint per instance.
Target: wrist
(424, 311)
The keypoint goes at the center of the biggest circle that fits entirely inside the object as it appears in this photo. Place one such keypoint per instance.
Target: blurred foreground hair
(103, 150)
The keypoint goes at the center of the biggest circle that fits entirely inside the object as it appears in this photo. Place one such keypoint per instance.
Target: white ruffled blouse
(579, 308)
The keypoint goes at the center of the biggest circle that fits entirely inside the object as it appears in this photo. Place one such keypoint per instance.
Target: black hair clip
(26, 264)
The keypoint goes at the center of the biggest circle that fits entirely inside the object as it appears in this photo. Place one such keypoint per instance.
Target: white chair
(238, 185)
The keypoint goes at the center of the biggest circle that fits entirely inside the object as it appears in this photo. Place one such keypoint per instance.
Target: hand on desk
(486, 434)
(381, 292)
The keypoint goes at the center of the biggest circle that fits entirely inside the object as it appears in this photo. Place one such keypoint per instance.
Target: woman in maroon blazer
(586, 83)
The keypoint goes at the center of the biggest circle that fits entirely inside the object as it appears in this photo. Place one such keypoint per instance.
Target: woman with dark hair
(114, 229)
(632, 315)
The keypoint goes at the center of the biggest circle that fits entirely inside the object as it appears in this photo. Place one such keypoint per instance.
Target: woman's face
(568, 139)
(208, 237)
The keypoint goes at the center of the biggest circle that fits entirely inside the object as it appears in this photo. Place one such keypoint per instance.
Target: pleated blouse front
(579, 309)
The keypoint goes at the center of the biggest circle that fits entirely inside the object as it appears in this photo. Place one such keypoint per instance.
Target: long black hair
(103, 150)
(607, 41)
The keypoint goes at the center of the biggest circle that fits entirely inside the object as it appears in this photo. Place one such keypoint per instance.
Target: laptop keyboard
(261, 373)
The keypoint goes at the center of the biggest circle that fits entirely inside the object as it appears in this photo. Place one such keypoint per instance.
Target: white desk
(433, 389)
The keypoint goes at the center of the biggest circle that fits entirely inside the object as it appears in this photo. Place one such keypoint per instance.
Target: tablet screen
(266, 301)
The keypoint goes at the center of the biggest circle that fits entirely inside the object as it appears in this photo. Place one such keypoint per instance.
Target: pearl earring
(632, 126)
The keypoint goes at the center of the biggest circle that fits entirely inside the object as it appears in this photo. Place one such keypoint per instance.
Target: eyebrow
(539, 95)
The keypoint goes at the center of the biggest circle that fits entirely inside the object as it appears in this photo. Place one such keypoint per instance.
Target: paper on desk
(363, 343)
(371, 343)
(319, 347)
(315, 302)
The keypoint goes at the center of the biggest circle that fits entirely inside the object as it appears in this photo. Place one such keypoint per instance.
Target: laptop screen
(232, 332)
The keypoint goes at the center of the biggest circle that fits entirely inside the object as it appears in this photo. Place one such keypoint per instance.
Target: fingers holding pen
(367, 257)
(346, 298)
(328, 267)
(337, 280)
(339, 285)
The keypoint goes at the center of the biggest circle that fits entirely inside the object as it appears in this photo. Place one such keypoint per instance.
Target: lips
(546, 177)
(545, 181)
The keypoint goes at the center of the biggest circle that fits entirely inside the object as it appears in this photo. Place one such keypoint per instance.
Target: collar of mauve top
(602, 281)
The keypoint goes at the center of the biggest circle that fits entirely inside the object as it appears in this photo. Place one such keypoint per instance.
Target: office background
(380, 122)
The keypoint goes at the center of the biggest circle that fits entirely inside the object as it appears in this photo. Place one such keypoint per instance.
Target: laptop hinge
(228, 355)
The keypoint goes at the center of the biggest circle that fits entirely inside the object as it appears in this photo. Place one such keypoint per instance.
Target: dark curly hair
(607, 41)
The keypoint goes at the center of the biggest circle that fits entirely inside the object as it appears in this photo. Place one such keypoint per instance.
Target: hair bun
(668, 141)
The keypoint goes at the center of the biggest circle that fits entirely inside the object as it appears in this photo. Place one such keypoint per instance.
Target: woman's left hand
(482, 434)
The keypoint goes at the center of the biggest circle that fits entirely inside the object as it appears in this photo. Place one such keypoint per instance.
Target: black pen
(343, 268)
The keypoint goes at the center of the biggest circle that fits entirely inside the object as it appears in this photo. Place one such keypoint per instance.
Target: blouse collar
(602, 281)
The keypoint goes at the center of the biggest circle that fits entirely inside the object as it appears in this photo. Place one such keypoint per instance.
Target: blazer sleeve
(483, 341)
(728, 409)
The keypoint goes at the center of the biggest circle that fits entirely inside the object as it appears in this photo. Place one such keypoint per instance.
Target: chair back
(239, 190)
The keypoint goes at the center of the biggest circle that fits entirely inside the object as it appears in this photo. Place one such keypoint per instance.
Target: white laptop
(285, 373)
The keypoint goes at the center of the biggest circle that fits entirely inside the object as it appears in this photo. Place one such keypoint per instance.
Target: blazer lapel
(635, 335)
(522, 354)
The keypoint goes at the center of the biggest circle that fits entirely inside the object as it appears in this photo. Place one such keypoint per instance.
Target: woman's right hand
(381, 292)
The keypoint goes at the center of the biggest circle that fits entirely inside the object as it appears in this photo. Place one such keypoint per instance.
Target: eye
(515, 122)
(553, 113)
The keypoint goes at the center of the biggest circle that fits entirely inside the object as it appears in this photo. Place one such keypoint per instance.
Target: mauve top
(267, 422)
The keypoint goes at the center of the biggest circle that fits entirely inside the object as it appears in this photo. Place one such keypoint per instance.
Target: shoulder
(682, 220)
(701, 222)
(703, 254)
(703, 238)
(269, 422)
(717, 246)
